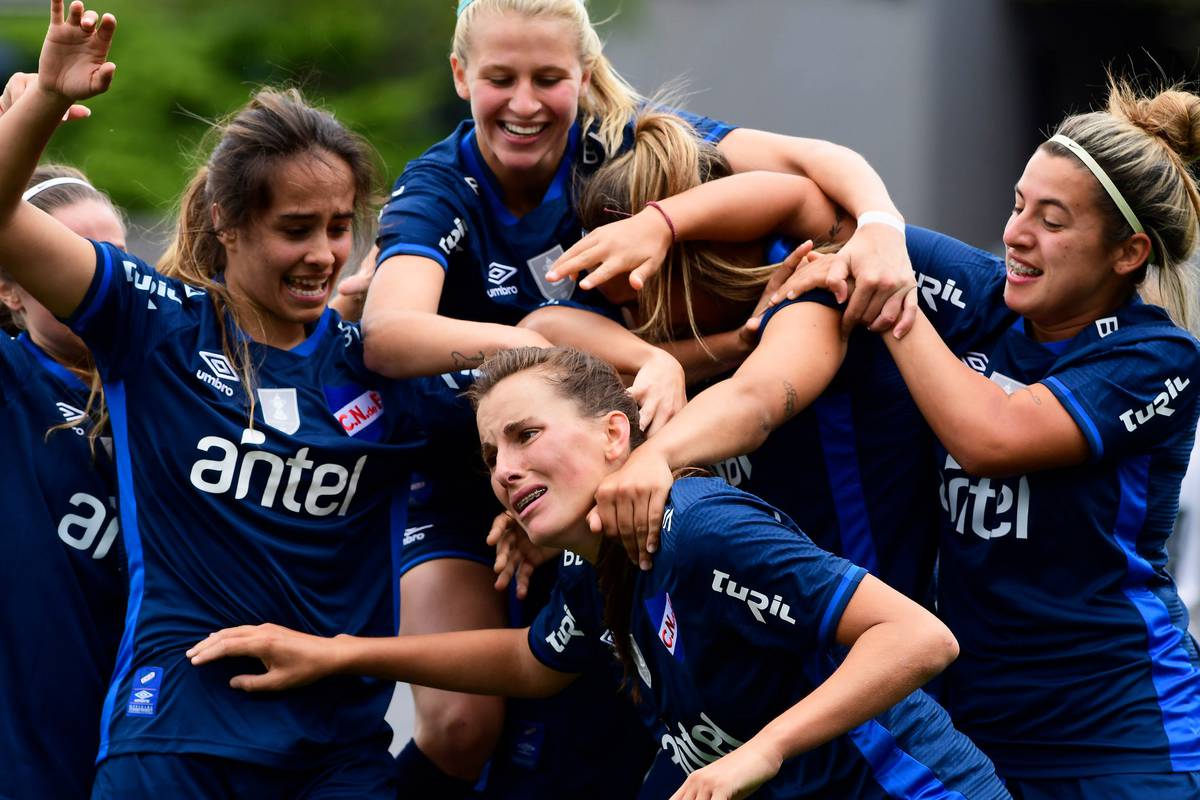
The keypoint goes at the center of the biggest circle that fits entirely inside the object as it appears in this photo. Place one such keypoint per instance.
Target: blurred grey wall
(946, 98)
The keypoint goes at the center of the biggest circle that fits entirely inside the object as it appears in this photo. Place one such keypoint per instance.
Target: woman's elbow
(938, 647)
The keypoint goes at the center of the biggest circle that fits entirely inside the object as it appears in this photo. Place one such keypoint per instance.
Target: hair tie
(1105, 181)
(34, 191)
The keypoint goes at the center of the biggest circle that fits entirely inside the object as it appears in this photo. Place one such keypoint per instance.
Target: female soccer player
(735, 637)
(62, 584)
(1067, 425)
(466, 240)
(256, 475)
(1067, 410)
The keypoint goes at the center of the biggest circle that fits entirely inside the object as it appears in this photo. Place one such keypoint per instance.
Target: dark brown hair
(276, 125)
(596, 389)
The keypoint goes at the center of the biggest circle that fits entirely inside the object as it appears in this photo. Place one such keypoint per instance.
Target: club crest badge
(280, 409)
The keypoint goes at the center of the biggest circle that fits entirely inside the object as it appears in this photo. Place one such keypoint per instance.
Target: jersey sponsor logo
(976, 361)
(155, 286)
(415, 534)
(756, 601)
(734, 471)
(1158, 407)
(572, 559)
(219, 371)
(360, 412)
(698, 746)
(539, 265)
(567, 629)
(91, 519)
(668, 519)
(994, 507)
(143, 697)
(497, 275)
(932, 290)
(452, 239)
(325, 488)
(280, 409)
(1106, 326)
(474, 184)
(668, 628)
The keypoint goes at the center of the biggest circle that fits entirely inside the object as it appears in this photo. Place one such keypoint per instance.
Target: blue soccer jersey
(855, 468)
(1075, 655)
(734, 625)
(447, 206)
(228, 521)
(61, 579)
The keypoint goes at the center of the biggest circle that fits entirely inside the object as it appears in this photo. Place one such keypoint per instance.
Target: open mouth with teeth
(310, 288)
(524, 131)
(523, 502)
(1021, 271)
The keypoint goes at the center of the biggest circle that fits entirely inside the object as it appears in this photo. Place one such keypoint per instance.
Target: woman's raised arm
(44, 256)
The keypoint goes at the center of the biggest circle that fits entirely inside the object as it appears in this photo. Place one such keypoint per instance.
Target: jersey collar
(489, 185)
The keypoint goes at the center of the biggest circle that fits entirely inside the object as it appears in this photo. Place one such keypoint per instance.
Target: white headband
(34, 191)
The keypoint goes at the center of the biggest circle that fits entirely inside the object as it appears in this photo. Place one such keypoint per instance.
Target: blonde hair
(609, 100)
(668, 158)
(52, 199)
(251, 145)
(1145, 144)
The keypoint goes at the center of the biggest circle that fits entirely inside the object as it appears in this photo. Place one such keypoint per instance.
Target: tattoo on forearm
(838, 216)
(789, 399)
(462, 361)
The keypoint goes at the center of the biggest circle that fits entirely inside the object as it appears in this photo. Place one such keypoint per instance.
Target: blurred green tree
(381, 66)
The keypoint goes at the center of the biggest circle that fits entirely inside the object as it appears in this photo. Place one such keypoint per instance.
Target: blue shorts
(437, 529)
(358, 774)
(1127, 786)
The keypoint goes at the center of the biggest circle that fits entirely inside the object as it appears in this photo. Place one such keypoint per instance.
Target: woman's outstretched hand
(74, 62)
(637, 245)
(292, 658)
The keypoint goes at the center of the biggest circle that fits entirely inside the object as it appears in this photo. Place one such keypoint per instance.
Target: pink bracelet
(654, 204)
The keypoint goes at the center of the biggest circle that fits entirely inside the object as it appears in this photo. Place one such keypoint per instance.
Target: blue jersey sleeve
(760, 574)
(567, 634)
(957, 284)
(1131, 392)
(425, 215)
(128, 308)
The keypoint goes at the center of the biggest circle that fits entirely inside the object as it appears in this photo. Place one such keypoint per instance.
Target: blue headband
(462, 6)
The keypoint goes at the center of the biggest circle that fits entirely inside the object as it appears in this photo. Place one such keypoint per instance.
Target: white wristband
(880, 218)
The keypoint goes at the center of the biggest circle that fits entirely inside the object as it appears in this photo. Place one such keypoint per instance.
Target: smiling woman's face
(545, 458)
(1060, 266)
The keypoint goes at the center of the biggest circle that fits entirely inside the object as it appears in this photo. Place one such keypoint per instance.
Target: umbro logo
(498, 273)
(219, 365)
(69, 412)
(219, 371)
